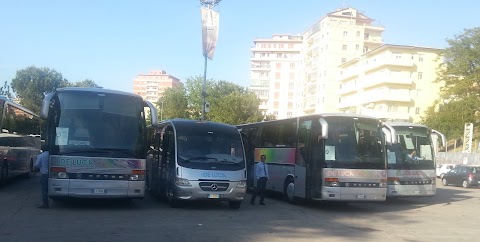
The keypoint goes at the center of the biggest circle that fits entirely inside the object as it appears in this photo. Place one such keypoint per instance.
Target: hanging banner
(210, 20)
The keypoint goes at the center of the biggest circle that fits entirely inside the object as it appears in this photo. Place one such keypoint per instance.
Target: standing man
(261, 173)
(42, 164)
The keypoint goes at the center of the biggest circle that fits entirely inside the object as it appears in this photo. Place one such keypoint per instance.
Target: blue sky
(111, 41)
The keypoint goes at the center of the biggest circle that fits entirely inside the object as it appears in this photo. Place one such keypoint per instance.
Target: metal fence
(458, 158)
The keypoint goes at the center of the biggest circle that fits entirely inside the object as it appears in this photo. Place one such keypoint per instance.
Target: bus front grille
(214, 186)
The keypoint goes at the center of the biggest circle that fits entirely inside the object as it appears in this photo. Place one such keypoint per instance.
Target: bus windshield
(354, 143)
(102, 125)
(413, 151)
(205, 149)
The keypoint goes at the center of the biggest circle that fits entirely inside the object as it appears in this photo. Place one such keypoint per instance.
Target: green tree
(5, 91)
(32, 83)
(229, 103)
(194, 87)
(459, 101)
(86, 83)
(173, 104)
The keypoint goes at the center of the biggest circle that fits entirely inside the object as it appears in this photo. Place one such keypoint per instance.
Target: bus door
(308, 168)
(167, 157)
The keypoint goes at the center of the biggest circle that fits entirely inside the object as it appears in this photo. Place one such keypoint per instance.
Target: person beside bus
(41, 164)
(261, 173)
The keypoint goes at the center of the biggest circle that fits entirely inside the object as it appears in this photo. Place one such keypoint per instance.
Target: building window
(291, 76)
(345, 34)
(279, 65)
(280, 46)
(358, 33)
(275, 105)
(277, 75)
(277, 85)
(279, 55)
(420, 75)
(420, 58)
(344, 60)
(289, 114)
(357, 47)
(290, 46)
(344, 47)
(417, 110)
(292, 66)
(277, 95)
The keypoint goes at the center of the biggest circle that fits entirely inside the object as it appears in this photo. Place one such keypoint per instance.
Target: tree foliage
(229, 103)
(31, 84)
(459, 101)
(173, 104)
(5, 91)
(86, 83)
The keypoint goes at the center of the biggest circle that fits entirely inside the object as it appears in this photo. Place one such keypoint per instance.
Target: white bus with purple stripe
(333, 156)
(97, 140)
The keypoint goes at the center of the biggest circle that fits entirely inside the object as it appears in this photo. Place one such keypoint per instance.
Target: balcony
(348, 75)
(377, 81)
(373, 39)
(347, 103)
(375, 96)
(346, 89)
(390, 61)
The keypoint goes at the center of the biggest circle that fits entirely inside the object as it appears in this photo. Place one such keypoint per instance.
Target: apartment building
(338, 37)
(152, 85)
(392, 82)
(275, 74)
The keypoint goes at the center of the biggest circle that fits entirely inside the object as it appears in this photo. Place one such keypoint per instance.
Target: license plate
(361, 196)
(98, 191)
(213, 196)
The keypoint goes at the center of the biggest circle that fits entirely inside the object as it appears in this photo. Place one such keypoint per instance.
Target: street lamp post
(208, 44)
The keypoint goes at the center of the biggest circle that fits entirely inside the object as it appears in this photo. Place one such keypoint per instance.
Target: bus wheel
(30, 170)
(234, 204)
(289, 190)
(174, 203)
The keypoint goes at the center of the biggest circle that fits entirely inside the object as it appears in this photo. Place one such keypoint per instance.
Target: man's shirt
(42, 162)
(261, 170)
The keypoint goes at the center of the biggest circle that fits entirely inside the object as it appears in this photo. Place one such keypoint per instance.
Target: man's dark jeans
(261, 187)
(44, 185)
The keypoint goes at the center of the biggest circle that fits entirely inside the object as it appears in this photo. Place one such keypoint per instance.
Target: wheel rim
(444, 182)
(465, 184)
(290, 191)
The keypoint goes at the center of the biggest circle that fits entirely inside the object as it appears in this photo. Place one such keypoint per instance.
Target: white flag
(209, 31)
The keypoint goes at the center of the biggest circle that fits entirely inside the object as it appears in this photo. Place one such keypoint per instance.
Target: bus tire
(30, 170)
(289, 190)
(234, 204)
(174, 203)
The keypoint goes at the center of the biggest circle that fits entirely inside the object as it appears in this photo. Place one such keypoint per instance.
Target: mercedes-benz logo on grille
(214, 186)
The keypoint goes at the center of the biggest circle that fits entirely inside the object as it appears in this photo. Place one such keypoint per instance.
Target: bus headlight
(182, 182)
(242, 184)
(332, 182)
(133, 178)
(62, 175)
